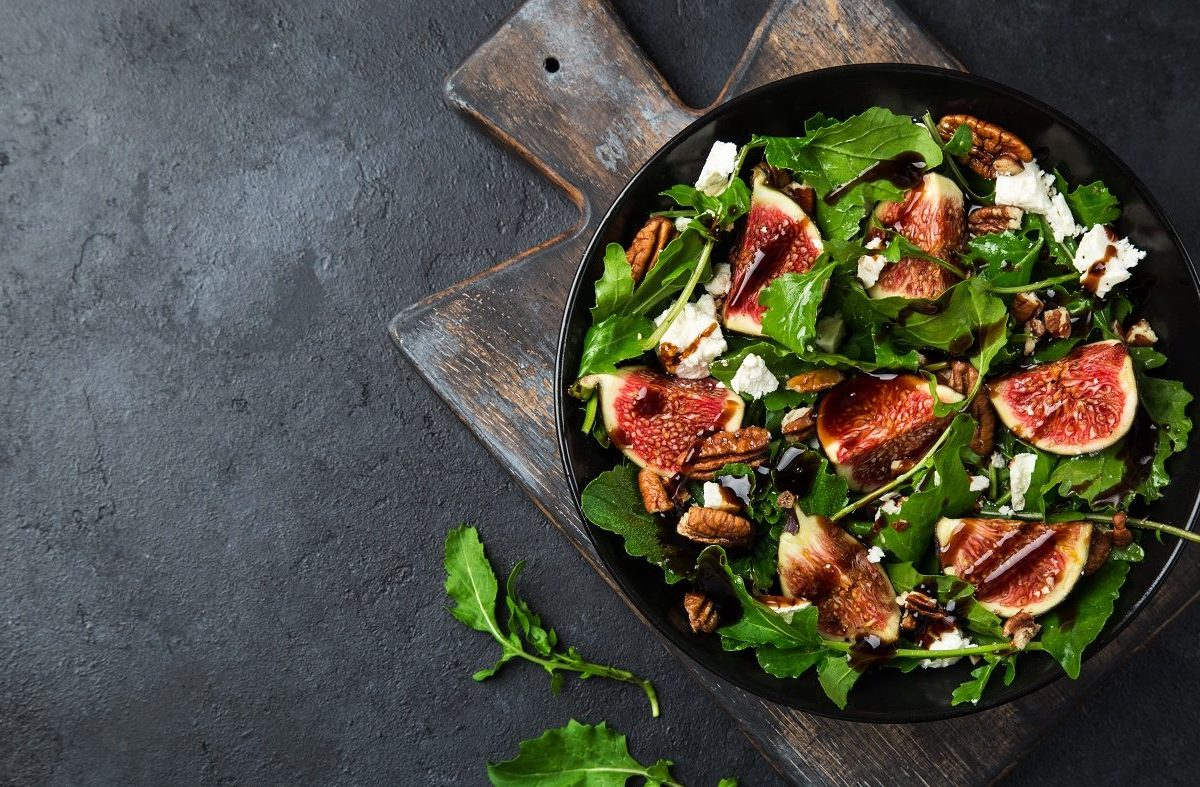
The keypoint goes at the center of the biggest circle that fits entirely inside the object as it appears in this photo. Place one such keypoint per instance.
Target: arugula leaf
(792, 302)
(960, 143)
(1091, 204)
(1007, 257)
(725, 208)
(1088, 476)
(577, 754)
(611, 502)
(827, 495)
(837, 677)
(781, 361)
(949, 496)
(669, 275)
(972, 690)
(1065, 637)
(843, 219)
(904, 576)
(617, 338)
(787, 663)
(830, 155)
(969, 306)
(471, 584)
(615, 287)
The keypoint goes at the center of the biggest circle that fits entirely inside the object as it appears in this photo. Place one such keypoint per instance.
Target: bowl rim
(677, 638)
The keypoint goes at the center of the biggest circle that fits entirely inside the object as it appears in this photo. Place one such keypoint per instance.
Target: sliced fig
(826, 565)
(1083, 402)
(654, 418)
(1015, 566)
(873, 428)
(778, 238)
(933, 218)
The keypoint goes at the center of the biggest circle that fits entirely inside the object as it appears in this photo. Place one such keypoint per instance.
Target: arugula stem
(1143, 524)
(1037, 285)
(683, 298)
(589, 415)
(922, 653)
(895, 482)
(952, 165)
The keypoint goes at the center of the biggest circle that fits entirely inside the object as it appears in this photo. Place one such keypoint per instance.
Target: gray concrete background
(224, 496)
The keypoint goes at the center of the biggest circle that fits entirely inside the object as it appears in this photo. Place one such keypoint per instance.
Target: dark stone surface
(225, 496)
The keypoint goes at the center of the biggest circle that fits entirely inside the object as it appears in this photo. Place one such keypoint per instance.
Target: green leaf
(1007, 258)
(972, 690)
(831, 155)
(782, 362)
(837, 677)
(759, 624)
(1066, 632)
(960, 143)
(612, 502)
(843, 219)
(792, 302)
(669, 275)
(828, 494)
(522, 618)
(1091, 204)
(905, 577)
(617, 338)
(577, 754)
(969, 308)
(787, 663)
(470, 581)
(1088, 476)
(615, 287)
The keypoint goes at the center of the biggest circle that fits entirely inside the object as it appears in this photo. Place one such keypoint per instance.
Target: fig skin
(636, 402)
(1015, 565)
(1082, 403)
(827, 566)
(779, 229)
(866, 424)
(933, 218)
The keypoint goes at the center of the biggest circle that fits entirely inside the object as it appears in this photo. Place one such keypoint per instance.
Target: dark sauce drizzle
(903, 172)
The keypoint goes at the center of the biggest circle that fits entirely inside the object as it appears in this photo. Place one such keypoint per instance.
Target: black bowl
(1172, 301)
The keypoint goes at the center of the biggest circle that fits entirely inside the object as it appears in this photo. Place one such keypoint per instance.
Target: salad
(881, 396)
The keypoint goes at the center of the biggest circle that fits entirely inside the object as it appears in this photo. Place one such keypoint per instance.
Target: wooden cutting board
(562, 82)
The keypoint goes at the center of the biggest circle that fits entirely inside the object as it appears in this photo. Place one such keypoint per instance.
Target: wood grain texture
(487, 347)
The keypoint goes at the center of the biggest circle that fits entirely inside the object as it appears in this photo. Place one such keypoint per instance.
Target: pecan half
(655, 498)
(962, 376)
(1025, 306)
(990, 144)
(1098, 549)
(1021, 629)
(651, 239)
(702, 615)
(1140, 334)
(1057, 322)
(713, 526)
(921, 616)
(798, 425)
(816, 380)
(1121, 536)
(747, 445)
(994, 218)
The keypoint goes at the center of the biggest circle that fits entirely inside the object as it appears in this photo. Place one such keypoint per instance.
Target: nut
(711, 453)
(651, 239)
(919, 613)
(702, 616)
(993, 149)
(962, 377)
(1098, 550)
(994, 218)
(798, 425)
(655, 498)
(1141, 335)
(1035, 328)
(785, 500)
(1057, 322)
(1121, 537)
(1021, 629)
(713, 526)
(816, 380)
(1025, 306)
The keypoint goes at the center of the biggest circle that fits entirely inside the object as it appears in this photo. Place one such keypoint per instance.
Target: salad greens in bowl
(865, 381)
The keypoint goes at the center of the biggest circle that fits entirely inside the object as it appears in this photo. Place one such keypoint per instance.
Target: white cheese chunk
(997, 460)
(1020, 474)
(947, 640)
(869, 268)
(718, 168)
(979, 483)
(1117, 255)
(890, 506)
(693, 340)
(1059, 217)
(713, 497)
(1033, 190)
(719, 283)
(682, 223)
(754, 378)
(874, 554)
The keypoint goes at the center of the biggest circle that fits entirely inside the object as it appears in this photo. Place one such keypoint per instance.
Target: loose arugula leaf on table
(577, 754)
(471, 584)
(612, 502)
(1065, 636)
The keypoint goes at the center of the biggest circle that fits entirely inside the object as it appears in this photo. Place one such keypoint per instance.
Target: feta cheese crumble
(1113, 258)
(997, 460)
(1020, 474)
(1033, 190)
(713, 498)
(979, 483)
(754, 378)
(719, 283)
(693, 340)
(890, 506)
(718, 168)
(948, 640)
(874, 554)
(869, 268)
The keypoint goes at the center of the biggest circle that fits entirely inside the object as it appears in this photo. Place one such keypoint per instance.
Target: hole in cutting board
(551, 64)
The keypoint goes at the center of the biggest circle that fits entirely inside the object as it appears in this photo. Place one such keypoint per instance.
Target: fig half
(933, 218)
(1015, 565)
(1081, 403)
(872, 428)
(778, 238)
(653, 418)
(826, 565)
